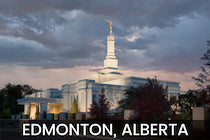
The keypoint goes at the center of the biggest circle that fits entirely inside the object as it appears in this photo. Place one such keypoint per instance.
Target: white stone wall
(82, 101)
(114, 91)
(85, 91)
(66, 102)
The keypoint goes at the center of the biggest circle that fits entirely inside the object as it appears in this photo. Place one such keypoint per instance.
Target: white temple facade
(110, 78)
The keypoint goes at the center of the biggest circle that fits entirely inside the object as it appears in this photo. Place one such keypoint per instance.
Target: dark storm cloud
(23, 52)
(137, 12)
(69, 33)
(175, 49)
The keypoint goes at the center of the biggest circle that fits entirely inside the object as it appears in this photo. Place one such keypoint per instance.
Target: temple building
(114, 82)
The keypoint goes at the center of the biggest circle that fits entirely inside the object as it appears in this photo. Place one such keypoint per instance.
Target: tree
(193, 98)
(9, 95)
(130, 93)
(94, 109)
(203, 80)
(99, 110)
(6, 113)
(148, 101)
(104, 105)
(74, 106)
(203, 97)
(186, 101)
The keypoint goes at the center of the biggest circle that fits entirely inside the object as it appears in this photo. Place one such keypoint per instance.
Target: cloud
(172, 49)
(150, 35)
(19, 51)
(153, 13)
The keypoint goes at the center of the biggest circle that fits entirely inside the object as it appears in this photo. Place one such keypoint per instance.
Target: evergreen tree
(99, 110)
(104, 105)
(74, 106)
(94, 109)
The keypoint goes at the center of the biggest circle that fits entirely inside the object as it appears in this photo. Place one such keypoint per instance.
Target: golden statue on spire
(110, 25)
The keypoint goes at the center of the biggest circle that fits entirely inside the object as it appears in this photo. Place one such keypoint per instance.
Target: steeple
(110, 71)
(110, 62)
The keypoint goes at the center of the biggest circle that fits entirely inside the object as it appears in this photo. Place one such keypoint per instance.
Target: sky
(49, 43)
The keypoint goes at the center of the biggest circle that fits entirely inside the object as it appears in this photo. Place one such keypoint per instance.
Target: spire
(110, 61)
